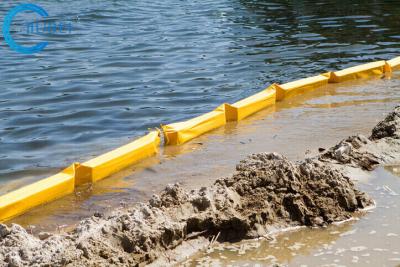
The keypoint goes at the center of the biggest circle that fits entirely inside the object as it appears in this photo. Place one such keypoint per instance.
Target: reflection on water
(104, 196)
(129, 65)
(373, 239)
(290, 128)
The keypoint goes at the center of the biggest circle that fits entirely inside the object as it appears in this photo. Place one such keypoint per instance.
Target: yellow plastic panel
(250, 105)
(118, 159)
(300, 86)
(393, 64)
(357, 72)
(181, 132)
(43, 191)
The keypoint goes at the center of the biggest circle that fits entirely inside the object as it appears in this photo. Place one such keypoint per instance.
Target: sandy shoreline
(267, 192)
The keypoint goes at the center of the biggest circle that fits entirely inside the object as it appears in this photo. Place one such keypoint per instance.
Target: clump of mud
(267, 192)
(383, 146)
(389, 127)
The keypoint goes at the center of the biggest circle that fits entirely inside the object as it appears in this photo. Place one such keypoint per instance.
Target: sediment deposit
(267, 192)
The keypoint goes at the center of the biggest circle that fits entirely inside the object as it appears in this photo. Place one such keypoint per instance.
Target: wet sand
(296, 128)
(266, 192)
(369, 240)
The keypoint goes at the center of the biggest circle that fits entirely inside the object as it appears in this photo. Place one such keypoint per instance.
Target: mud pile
(383, 146)
(266, 192)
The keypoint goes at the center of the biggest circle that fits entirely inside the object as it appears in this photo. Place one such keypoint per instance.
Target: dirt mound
(266, 192)
(389, 127)
(383, 146)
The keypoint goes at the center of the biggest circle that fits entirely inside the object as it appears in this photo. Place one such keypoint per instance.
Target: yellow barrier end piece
(300, 86)
(118, 159)
(392, 65)
(250, 105)
(181, 132)
(41, 192)
(358, 72)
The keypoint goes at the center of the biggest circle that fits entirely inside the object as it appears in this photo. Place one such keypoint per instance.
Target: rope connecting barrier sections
(21, 200)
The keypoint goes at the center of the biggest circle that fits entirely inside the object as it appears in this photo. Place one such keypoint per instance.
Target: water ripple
(129, 65)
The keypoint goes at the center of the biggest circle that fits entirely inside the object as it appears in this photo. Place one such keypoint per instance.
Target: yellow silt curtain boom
(21, 200)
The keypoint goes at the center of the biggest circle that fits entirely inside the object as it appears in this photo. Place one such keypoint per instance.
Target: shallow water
(373, 239)
(130, 65)
(296, 128)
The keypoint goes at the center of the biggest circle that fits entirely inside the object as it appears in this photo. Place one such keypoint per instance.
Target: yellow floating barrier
(181, 132)
(300, 86)
(392, 65)
(118, 159)
(64, 183)
(250, 105)
(357, 72)
(41, 192)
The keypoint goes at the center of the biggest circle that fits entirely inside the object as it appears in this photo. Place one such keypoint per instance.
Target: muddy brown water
(296, 127)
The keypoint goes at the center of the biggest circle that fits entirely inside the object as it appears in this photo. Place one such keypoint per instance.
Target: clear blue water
(131, 65)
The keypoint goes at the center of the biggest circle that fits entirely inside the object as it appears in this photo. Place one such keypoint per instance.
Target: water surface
(296, 127)
(131, 65)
